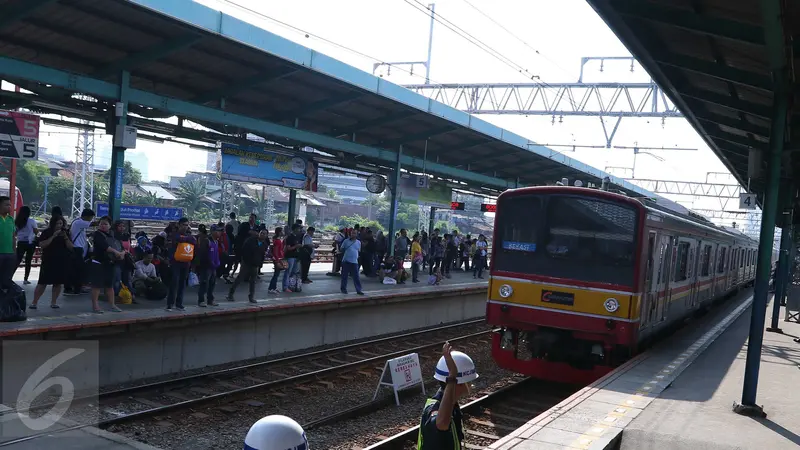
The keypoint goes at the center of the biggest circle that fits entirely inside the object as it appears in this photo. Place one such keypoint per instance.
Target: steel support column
(118, 152)
(781, 275)
(772, 23)
(395, 199)
(431, 222)
(292, 213)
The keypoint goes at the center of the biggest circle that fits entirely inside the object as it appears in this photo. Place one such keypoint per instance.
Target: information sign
(747, 201)
(19, 135)
(401, 373)
(136, 212)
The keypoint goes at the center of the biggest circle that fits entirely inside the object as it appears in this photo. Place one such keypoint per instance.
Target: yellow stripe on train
(566, 298)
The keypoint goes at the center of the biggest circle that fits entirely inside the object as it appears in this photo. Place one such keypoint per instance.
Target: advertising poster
(436, 195)
(253, 164)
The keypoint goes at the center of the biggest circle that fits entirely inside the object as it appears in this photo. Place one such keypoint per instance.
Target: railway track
(493, 415)
(220, 388)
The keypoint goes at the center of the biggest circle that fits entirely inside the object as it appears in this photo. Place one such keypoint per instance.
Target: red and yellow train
(581, 278)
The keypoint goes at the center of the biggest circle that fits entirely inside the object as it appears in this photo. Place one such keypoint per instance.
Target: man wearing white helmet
(441, 427)
(276, 433)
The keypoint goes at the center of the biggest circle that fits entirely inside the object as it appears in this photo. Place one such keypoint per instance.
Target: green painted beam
(680, 18)
(725, 101)
(747, 127)
(240, 85)
(322, 104)
(418, 136)
(379, 121)
(712, 69)
(78, 83)
(24, 10)
(153, 53)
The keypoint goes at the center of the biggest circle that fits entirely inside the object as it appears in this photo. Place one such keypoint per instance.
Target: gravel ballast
(223, 426)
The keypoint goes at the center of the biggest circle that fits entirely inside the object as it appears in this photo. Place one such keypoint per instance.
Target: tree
(131, 175)
(190, 196)
(331, 192)
(311, 218)
(60, 194)
(29, 179)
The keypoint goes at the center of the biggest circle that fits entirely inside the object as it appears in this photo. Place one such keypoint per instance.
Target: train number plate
(559, 298)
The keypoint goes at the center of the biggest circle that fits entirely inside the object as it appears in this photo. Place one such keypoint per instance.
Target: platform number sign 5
(747, 201)
(19, 135)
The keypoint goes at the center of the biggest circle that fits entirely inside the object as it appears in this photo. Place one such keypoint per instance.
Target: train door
(712, 270)
(670, 257)
(650, 294)
(695, 271)
(662, 266)
(688, 270)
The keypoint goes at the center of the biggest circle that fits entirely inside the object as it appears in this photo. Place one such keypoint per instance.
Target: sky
(549, 38)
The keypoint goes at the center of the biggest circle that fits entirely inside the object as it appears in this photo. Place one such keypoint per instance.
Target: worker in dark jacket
(252, 256)
(441, 426)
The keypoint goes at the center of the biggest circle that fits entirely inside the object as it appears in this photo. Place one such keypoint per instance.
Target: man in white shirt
(77, 233)
(234, 223)
(146, 282)
(307, 254)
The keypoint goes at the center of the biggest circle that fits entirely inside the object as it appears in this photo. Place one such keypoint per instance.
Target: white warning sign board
(401, 373)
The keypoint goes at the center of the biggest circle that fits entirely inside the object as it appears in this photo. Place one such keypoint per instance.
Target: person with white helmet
(441, 427)
(276, 433)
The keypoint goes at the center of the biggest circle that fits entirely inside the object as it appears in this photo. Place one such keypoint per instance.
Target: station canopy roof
(185, 58)
(717, 60)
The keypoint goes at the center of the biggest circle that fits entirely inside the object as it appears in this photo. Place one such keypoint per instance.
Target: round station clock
(376, 184)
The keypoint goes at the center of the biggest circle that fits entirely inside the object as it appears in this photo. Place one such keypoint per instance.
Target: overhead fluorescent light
(65, 109)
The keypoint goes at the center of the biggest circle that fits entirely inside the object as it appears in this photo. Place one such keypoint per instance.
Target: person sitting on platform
(146, 282)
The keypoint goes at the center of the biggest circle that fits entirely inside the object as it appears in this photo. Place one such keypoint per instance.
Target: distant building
(210, 178)
(350, 188)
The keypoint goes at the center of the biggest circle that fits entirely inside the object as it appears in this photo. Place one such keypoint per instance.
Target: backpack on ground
(13, 304)
(295, 283)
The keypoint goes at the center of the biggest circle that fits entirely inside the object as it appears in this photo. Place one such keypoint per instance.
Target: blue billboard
(253, 164)
(136, 212)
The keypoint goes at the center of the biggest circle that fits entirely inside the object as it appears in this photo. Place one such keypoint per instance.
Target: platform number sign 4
(747, 201)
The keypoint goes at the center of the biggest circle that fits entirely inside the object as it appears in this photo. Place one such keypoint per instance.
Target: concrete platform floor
(77, 309)
(601, 415)
(88, 438)
(695, 411)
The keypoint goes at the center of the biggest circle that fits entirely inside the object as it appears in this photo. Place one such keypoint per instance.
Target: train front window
(578, 238)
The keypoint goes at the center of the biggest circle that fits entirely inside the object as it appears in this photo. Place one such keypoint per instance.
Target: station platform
(679, 394)
(145, 341)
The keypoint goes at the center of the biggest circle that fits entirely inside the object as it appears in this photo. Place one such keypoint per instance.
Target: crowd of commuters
(439, 254)
(121, 266)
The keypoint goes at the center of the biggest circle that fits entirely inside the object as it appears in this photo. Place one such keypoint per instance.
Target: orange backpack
(184, 252)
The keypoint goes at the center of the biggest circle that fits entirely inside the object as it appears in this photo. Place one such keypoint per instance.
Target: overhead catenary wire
(487, 48)
(318, 37)
(512, 34)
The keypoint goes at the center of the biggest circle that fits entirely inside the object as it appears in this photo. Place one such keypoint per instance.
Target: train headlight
(611, 305)
(506, 291)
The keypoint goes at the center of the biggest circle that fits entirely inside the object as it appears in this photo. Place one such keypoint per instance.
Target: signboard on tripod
(399, 374)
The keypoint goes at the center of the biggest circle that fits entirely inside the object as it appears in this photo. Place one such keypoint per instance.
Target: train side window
(682, 266)
(705, 261)
(721, 261)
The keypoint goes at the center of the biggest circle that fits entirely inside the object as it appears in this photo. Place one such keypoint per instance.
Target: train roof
(658, 204)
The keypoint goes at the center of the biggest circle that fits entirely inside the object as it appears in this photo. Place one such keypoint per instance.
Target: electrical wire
(318, 37)
(487, 48)
(471, 39)
(487, 16)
